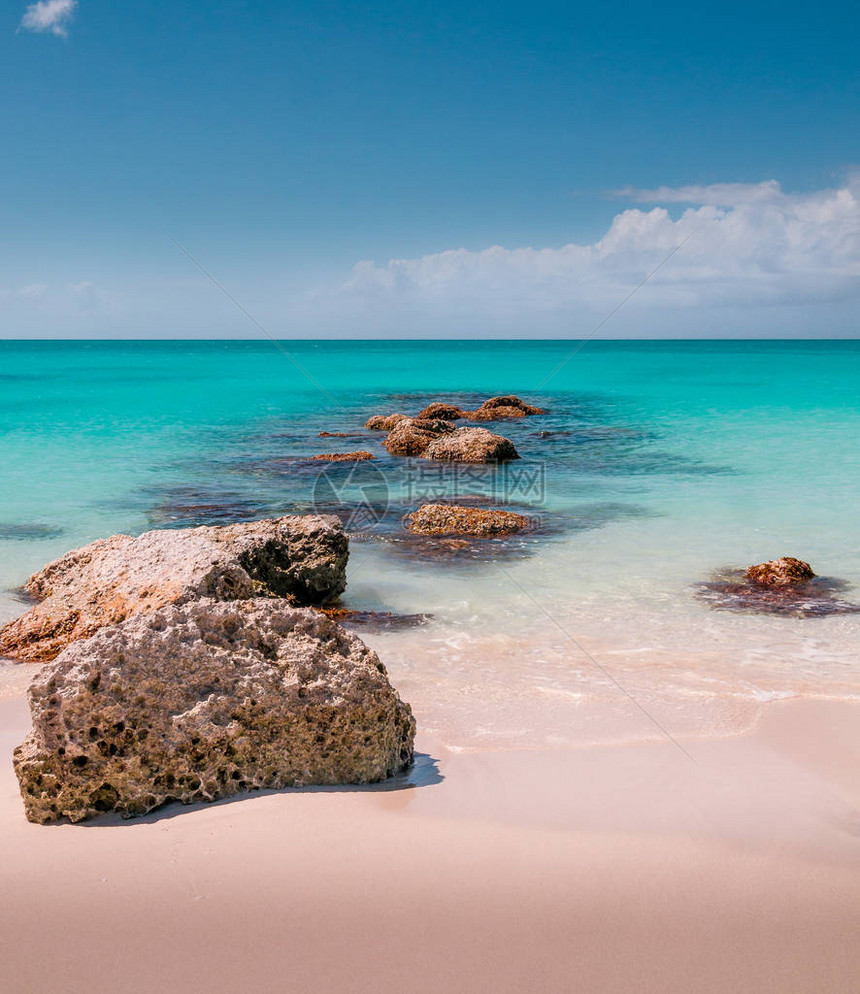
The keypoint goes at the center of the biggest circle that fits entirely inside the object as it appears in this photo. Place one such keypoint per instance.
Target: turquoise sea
(656, 464)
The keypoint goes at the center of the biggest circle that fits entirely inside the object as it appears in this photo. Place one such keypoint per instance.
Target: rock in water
(385, 422)
(499, 408)
(302, 558)
(450, 519)
(439, 409)
(476, 445)
(784, 572)
(362, 455)
(411, 436)
(204, 700)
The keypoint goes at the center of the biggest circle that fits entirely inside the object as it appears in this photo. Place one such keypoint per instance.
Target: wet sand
(731, 866)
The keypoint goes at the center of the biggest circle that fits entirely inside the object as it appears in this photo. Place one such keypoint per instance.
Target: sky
(429, 169)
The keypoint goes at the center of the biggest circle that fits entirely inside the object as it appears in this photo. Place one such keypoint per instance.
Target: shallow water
(657, 465)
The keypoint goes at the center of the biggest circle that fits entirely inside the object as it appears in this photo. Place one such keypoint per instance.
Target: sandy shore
(633, 868)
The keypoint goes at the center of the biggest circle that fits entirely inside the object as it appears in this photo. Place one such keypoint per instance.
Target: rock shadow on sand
(424, 772)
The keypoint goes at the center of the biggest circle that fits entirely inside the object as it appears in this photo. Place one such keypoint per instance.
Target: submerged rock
(784, 586)
(340, 434)
(501, 408)
(375, 621)
(450, 519)
(412, 436)
(361, 456)
(448, 412)
(783, 572)
(205, 700)
(474, 445)
(385, 422)
(302, 558)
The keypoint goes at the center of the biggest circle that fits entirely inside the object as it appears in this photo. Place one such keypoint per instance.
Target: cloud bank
(750, 248)
(53, 16)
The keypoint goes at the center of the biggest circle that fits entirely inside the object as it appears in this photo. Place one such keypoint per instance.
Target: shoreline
(627, 867)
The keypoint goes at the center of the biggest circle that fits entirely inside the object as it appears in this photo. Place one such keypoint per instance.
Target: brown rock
(339, 434)
(502, 408)
(205, 700)
(784, 572)
(446, 519)
(361, 456)
(385, 422)
(301, 557)
(412, 436)
(476, 445)
(448, 412)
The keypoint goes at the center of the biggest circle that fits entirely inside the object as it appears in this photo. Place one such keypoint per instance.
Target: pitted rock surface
(412, 436)
(783, 572)
(384, 422)
(475, 445)
(451, 519)
(205, 700)
(302, 558)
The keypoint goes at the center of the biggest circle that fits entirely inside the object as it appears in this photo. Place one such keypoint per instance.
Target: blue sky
(284, 143)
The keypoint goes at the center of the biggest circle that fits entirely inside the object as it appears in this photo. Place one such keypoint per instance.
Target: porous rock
(451, 519)
(412, 436)
(783, 572)
(439, 409)
(473, 445)
(503, 408)
(204, 700)
(362, 455)
(384, 422)
(302, 558)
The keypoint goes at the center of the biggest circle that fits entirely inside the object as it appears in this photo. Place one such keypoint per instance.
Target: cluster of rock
(494, 409)
(451, 519)
(185, 668)
(442, 441)
(432, 433)
(301, 558)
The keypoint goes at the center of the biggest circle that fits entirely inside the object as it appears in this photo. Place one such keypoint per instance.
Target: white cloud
(33, 290)
(750, 246)
(49, 15)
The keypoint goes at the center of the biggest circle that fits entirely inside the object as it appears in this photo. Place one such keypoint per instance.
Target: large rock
(503, 408)
(205, 700)
(412, 436)
(475, 445)
(784, 572)
(451, 519)
(302, 558)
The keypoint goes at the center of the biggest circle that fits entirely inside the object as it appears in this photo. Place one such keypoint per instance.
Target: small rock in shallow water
(206, 700)
(447, 412)
(412, 436)
(385, 422)
(503, 408)
(361, 456)
(450, 519)
(809, 597)
(473, 445)
(300, 557)
(783, 572)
